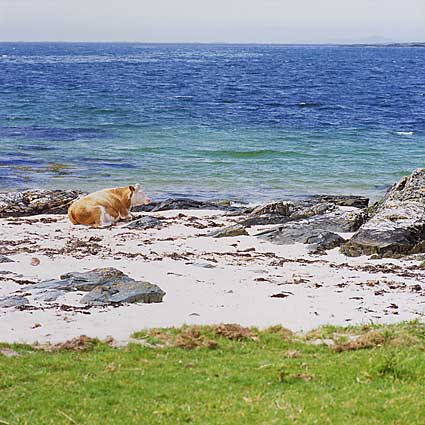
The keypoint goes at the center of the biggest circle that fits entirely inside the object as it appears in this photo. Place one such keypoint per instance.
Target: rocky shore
(320, 260)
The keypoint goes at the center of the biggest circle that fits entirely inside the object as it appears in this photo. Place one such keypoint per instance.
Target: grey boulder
(398, 224)
(229, 231)
(105, 286)
(145, 222)
(126, 290)
(323, 241)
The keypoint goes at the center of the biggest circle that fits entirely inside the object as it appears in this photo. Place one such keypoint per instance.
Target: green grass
(268, 377)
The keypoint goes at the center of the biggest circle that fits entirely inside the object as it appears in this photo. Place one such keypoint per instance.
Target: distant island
(411, 44)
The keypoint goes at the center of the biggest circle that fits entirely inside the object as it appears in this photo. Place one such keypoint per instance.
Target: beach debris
(262, 279)
(4, 259)
(33, 202)
(297, 279)
(416, 288)
(397, 226)
(229, 231)
(80, 248)
(105, 286)
(145, 222)
(283, 294)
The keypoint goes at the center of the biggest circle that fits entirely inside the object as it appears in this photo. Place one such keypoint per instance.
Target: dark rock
(13, 301)
(125, 291)
(186, 204)
(319, 228)
(328, 216)
(303, 232)
(76, 282)
(283, 212)
(324, 241)
(4, 259)
(398, 224)
(32, 202)
(229, 231)
(107, 286)
(145, 222)
(86, 281)
(338, 220)
(344, 201)
(281, 208)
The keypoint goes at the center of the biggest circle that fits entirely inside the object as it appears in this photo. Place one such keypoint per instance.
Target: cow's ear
(132, 189)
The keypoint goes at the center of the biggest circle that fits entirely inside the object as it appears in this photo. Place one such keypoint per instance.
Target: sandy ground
(206, 280)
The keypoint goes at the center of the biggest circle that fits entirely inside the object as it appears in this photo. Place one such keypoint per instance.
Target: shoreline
(240, 279)
(326, 260)
(238, 200)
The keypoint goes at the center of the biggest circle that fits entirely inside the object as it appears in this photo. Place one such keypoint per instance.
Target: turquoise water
(248, 122)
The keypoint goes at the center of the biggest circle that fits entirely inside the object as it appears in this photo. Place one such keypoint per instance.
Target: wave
(102, 110)
(309, 104)
(53, 133)
(405, 133)
(182, 97)
(252, 154)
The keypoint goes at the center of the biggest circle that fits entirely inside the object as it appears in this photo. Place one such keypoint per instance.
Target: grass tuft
(80, 343)
(234, 332)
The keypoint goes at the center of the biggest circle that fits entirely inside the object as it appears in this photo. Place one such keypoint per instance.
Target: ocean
(247, 122)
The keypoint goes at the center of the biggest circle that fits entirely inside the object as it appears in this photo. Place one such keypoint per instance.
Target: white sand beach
(206, 280)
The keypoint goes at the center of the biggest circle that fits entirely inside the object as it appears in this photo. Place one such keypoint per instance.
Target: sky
(238, 21)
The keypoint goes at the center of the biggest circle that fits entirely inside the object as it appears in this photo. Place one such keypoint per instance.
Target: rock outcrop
(229, 231)
(305, 233)
(125, 290)
(320, 212)
(33, 202)
(104, 286)
(313, 221)
(343, 201)
(398, 224)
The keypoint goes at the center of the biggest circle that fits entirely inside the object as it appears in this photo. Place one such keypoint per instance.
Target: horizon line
(307, 43)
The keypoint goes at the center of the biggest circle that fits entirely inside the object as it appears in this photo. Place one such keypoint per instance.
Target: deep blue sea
(251, 122)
